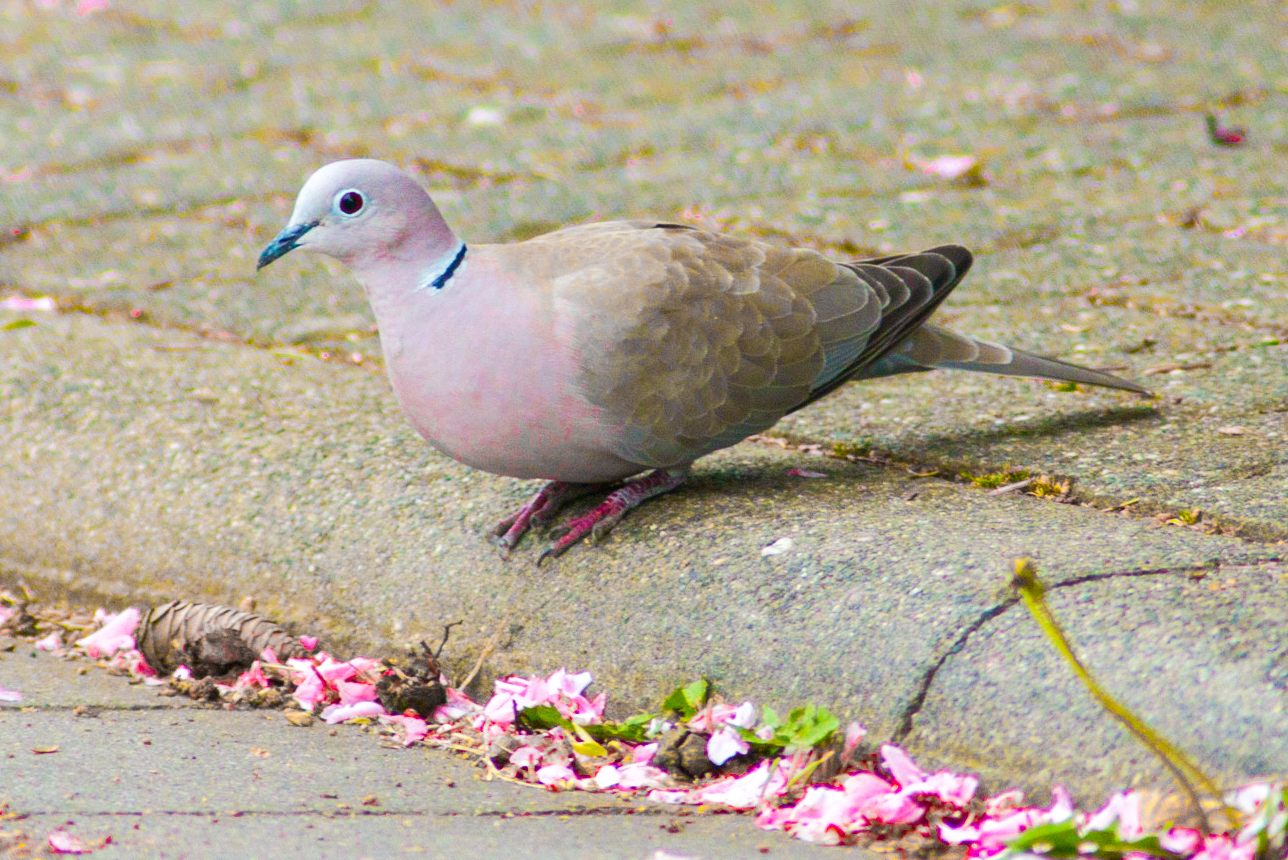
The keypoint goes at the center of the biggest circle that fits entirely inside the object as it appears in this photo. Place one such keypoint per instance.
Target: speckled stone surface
(182, 428)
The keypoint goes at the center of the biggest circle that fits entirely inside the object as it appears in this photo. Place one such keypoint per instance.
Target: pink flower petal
(458, 705)
(951, 788)
(607, 776)
(339, 713)
(526, 756)
(745, 792)
(1181, 840)
(513, 685)
(1223, 847)
(553, 774)
(268, 655)
(502, 708)
(133, 662)
(116, 634)
(948, 166)
(598, 703)
(569, 685)
(333, 670)
(52, 642)
(1122, 808)
(744, 717)
(309, 642)
(10, 695)
(823, 816)
(21, 303)
(724, 745)
(301, 668)
(63, 842)
(895, 808)
(900, 765)
(310, 691)
(365, 664)
(253, 678)
(641, 776)
(537, 692)
(353, 693)
(864, 787)
(1061, 808)
(643, 754)
(854, 735)
(415, 728)
(805, 473)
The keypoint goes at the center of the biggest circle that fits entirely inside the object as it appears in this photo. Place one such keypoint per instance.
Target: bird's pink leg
(540, 510)
(601, 520)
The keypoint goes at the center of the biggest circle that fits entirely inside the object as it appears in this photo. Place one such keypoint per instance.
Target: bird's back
(688, 341)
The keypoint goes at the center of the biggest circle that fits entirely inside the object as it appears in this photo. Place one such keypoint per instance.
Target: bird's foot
(601, 520)
(539, 511)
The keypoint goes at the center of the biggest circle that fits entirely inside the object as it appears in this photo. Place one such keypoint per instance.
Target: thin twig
(483, 655)
(1007, 488)
(447, 631)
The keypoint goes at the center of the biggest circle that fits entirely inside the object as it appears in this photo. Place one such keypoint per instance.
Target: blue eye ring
(350, 202)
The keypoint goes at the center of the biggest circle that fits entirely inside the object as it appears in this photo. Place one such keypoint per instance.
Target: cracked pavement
(180, 428)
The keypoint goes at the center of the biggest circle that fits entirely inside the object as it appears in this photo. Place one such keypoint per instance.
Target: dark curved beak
(286, 241)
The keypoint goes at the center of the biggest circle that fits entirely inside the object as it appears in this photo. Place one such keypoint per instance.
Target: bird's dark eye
(350, 202)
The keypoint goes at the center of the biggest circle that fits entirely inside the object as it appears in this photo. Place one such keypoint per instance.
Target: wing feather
(690, 341)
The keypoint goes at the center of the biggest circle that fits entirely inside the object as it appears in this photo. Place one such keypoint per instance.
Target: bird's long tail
(931, 346)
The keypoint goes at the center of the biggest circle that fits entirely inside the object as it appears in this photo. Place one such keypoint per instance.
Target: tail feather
(932, 346)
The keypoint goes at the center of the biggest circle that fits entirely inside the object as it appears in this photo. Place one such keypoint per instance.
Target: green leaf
(17, 324)
(818, 730)
(589, 748)
(1063, 837)
(769, 717)
(689, 699)
(1062, 841)
(541, 717)
(806, 728)
(638, 720)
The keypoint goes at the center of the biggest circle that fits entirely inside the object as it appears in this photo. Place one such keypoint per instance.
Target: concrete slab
(209, 783)
(51, 683)
(1006, 704)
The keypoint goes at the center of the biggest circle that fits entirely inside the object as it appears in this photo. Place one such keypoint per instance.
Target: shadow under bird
(601, 351)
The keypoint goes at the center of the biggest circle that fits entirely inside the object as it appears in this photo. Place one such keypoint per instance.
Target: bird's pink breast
(480, 371)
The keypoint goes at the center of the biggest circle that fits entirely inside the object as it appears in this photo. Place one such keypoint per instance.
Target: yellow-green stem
(1187, 774)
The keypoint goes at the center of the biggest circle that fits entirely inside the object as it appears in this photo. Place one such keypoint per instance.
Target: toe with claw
(539, 511)
(601, 520)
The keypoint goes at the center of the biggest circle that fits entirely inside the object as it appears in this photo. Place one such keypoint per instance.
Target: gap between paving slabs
(996, 480)
(1054, 487)
(1231, 522)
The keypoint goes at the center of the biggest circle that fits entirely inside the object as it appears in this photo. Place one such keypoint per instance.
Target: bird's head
(363, 212)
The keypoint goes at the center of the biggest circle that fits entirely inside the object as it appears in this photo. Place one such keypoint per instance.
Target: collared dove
(600, 351)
